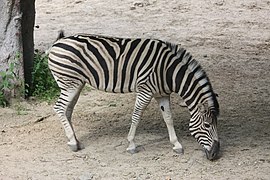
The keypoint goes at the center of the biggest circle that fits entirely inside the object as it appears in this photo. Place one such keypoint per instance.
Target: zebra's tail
(61, 34)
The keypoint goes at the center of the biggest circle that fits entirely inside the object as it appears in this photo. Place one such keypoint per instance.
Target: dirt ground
(231, 39)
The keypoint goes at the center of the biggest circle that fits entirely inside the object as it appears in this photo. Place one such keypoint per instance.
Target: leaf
(2, 74)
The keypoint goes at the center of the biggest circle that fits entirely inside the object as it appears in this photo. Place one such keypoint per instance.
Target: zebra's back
(108, 64)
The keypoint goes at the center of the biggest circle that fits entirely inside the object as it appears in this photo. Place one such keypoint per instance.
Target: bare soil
(231, 39)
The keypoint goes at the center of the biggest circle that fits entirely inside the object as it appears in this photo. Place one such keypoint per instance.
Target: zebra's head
(203, 126)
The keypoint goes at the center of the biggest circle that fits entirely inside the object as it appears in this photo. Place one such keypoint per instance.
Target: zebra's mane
(195, 67)
(174, 47)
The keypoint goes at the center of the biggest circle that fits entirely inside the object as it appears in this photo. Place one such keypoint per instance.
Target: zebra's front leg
(131, 135)
(164, 105)
(142, 100)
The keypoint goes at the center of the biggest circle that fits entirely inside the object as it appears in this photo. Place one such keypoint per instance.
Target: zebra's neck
(193, 85)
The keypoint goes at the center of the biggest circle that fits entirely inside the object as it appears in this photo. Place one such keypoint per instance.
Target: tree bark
(10, 40)
(16, 41)
(28, 21)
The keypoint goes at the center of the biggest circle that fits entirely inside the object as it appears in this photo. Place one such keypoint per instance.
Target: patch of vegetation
(44, 85)
(7, 80)
(20, 109)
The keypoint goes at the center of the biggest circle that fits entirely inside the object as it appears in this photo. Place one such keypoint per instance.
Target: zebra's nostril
(210, 155)
(213, 153)
(215, 149)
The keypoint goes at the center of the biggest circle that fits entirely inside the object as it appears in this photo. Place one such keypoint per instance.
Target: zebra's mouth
(213, 153)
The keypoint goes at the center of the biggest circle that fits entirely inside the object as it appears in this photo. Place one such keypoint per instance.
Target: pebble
(86, 176)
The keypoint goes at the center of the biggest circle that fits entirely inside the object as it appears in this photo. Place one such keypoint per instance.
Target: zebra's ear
(203, 107)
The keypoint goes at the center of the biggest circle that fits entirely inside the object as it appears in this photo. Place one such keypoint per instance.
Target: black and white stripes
(149, 67)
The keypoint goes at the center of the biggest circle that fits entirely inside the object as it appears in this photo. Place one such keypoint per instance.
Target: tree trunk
(28, 21)
(11, 46)
(16, 42)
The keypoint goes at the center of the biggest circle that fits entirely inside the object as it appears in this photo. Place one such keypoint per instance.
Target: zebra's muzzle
(213, 153)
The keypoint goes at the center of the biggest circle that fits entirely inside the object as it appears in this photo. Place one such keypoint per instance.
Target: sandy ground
(231, 39)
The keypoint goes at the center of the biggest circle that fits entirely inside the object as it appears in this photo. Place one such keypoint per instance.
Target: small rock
(139, 4)
(112, 105)
(221, 3)
(78, 1)
(155, 158)
(86, 176)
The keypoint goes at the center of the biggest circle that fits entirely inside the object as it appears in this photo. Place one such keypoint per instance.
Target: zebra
(151, 68)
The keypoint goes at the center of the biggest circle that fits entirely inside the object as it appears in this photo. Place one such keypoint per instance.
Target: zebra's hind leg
(164, 105)
(142, 100)
(64, 109)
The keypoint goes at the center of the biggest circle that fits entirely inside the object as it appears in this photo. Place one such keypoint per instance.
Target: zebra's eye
(207, 125)
(204, 111)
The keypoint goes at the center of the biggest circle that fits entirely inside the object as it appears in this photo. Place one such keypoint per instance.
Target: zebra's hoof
(76, 147)
(179, 150)
(132, 151)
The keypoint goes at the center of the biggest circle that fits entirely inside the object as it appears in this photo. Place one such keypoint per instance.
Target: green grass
(44, 85)
(7, 79)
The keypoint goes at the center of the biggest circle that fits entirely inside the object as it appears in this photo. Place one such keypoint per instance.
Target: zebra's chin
(213, 153)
